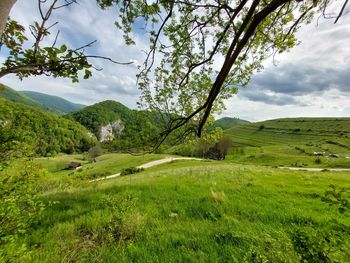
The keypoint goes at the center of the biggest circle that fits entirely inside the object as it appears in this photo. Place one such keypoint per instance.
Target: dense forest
(28, 130)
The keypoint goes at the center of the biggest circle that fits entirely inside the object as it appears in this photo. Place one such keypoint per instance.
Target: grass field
(292, 142)
(190, 211)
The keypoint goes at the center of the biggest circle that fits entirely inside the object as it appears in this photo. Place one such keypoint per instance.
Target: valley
(166, 207)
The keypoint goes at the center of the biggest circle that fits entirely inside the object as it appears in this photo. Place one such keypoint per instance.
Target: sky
(312, 80)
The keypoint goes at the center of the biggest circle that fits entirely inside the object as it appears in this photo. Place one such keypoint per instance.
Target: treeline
(28, 130)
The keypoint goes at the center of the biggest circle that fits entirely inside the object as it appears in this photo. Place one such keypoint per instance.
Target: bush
(131, 170)
(20, 205)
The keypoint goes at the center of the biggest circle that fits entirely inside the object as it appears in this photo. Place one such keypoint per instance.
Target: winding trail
(316, 169)
(150, 164)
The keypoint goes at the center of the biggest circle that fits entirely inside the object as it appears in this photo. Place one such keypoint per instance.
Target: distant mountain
(53, 102)
(24, 128)
(227, 122)
(48, 103)
(15, 96)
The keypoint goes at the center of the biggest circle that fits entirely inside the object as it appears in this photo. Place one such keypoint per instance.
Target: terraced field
(294, 140)
(334, 131)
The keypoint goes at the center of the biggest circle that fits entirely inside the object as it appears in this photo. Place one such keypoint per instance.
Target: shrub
(20, 206)
(131, 170)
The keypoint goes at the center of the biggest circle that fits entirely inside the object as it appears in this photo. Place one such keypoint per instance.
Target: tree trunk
(5, 8)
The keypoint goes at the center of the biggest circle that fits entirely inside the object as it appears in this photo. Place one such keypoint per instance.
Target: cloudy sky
(313, 79)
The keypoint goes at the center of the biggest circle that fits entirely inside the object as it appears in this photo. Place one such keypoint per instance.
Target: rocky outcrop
(109, 131)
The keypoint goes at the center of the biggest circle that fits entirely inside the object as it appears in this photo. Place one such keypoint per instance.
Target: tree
(201, 51)
(5, 7)
(42, 60)
(224, 145)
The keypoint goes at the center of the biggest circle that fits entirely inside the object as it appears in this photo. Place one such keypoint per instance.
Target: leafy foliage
(50, 60)
(188, 36)
(20, 205)
(339, 197)
(56, 61)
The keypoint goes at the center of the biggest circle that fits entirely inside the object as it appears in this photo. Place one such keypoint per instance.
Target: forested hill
(131, 128)
(95, 116)
(53, 102)
(28, 129)
(228, 122)
(15, 96)
(48, 103)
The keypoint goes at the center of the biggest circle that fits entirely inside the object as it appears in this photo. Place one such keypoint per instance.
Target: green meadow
(184, 211)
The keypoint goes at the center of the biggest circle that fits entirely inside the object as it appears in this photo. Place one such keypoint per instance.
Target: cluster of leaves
(317, 246)
(50, 60)
(339, 197)
(188, 36)
(38, 133)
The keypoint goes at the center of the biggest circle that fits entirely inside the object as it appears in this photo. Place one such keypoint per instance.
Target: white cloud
(323, 47)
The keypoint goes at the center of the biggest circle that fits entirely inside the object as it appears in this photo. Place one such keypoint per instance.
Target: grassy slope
(105, 165)
(293, 131)
(292, 141)
(189, 212)
(53, 102)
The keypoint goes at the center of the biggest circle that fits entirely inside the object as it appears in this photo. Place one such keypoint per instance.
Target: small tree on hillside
(224, 145)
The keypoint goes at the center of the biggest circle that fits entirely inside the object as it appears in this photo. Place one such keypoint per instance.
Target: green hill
(228, 122)
(292, 142)
(15, 96)
(95, 116)
(138, 127)
(48, 103)
(28, 129)
(293, 131)
(53, 102)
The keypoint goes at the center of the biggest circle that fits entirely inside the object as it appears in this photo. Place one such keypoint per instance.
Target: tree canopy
(202, 51)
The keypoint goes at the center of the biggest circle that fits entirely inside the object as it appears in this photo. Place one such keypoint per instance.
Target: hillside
(15, 96)
(334, 131)
(228, 122)
(292, 142)
(48, 103)
(28, 129)
(112, 121)
(95, 116)
(53, 102)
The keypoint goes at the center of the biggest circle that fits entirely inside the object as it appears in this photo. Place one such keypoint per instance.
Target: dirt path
(316, 169)
(150, 164)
